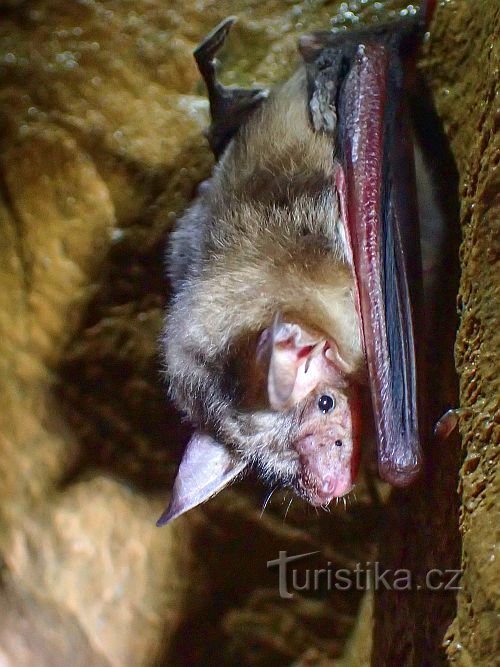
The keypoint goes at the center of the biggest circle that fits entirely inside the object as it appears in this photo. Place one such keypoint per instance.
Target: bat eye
(326, 403)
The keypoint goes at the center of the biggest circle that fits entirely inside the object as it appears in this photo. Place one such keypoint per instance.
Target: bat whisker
(286, 511)
(267, 499)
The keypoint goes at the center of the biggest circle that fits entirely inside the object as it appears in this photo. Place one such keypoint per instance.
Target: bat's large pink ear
(288, 343)
(298, 363)
(206, 468)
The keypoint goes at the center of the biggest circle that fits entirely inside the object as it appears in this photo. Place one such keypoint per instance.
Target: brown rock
(463, 65)
(86, 563)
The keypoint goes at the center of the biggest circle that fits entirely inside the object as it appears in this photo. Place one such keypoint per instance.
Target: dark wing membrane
(359, 77)
(400, 458)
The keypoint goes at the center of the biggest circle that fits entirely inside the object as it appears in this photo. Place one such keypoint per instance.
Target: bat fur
(264, 237)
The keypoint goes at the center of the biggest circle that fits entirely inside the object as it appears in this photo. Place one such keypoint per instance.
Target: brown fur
(263, 238)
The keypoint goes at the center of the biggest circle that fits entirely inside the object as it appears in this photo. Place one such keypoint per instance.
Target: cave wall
(462, 66)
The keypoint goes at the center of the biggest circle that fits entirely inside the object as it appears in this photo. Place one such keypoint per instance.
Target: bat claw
(446, 424)
(214, 41)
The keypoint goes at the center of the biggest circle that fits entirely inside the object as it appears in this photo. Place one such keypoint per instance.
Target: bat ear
(297, 364)
(206, 468)
(283, 364)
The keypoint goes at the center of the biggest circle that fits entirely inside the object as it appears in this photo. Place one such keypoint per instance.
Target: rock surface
(463, 65)
(102, 113)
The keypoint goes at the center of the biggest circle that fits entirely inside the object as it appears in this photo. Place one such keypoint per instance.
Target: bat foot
(229, 107)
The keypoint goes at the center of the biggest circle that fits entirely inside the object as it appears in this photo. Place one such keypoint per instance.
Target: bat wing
(206, 468)
(357, 84)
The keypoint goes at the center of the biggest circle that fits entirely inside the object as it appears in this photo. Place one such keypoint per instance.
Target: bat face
(307, 373)
(328, 445)
(294, 276)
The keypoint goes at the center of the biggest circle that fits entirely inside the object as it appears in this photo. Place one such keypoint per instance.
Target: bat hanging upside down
(296, 275)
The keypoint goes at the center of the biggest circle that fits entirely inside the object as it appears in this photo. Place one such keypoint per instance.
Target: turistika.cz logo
(363, 576)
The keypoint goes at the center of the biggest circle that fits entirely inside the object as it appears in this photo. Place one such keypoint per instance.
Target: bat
(296, 313)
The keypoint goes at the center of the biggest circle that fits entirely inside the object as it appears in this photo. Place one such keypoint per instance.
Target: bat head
(306, 377)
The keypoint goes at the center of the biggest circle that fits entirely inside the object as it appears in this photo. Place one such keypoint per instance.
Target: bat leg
(229, 107)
